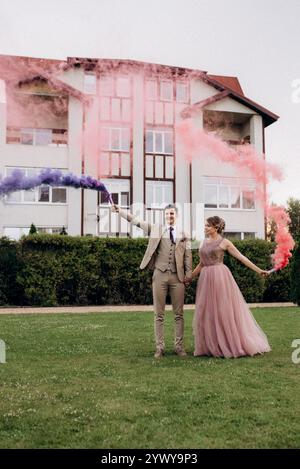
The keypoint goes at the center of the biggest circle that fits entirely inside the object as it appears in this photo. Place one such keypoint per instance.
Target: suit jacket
(183, 253)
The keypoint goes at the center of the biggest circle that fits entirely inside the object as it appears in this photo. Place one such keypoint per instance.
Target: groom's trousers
(162, 283)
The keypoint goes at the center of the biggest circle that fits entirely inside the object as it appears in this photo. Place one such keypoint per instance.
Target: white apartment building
(116, 120)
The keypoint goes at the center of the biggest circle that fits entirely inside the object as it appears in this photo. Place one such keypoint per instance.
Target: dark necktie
(171, 235)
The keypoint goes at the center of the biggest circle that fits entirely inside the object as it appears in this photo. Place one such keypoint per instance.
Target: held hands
(187, 281)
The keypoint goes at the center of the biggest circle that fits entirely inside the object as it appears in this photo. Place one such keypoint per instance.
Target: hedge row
(51, 270)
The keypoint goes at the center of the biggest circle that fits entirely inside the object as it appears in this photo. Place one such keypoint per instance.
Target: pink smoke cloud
(197, 143)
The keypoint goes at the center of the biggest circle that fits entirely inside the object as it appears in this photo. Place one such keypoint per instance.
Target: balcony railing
(37, 137)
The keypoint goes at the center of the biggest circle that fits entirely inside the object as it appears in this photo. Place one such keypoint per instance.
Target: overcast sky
(256, 40)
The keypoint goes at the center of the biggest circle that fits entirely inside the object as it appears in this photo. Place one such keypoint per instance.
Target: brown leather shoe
(159, 354)
(181, 353)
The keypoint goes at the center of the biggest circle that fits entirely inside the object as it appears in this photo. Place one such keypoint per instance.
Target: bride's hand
(187, 281)
(264, 273)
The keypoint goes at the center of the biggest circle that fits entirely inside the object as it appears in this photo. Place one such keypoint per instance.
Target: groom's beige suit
(171, 264)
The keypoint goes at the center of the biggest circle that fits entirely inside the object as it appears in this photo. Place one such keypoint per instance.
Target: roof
(15, 69)
(268, 116)
(28, 68)
(230, 82)
(220, 82)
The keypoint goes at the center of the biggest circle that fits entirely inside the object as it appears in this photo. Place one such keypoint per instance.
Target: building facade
(116, 120)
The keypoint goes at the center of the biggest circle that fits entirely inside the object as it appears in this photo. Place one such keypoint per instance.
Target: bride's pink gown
(223, 324)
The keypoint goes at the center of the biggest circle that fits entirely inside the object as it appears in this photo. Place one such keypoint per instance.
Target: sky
(256, 40)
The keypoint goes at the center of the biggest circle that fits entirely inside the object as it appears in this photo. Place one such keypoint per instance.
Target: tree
(295, 276)
(271, 228)
(293, 210)
(33, 229)
(63, 231)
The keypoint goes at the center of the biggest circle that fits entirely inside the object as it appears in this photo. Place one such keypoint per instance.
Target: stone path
(113, 308)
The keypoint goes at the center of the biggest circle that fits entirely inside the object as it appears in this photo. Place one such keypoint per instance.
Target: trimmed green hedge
(295, 276)
(51, 270)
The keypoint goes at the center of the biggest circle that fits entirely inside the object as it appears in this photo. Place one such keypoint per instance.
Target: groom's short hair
(167, 207)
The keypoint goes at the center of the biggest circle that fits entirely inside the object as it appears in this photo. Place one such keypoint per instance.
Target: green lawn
(90, 381)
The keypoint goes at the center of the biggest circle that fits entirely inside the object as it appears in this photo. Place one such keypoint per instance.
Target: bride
(223, 325)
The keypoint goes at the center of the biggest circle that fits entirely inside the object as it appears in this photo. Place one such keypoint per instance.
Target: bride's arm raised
(233, 251)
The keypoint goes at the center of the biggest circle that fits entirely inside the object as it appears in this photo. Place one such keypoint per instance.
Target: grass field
(90, 381)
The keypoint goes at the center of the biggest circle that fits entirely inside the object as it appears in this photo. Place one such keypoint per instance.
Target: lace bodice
(210, 252)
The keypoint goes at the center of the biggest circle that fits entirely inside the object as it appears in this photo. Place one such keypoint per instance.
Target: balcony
(37, 136)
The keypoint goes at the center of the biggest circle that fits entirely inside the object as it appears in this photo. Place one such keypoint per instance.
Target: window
(119, 86)
(169, 167)
(211, 196)
(52, 230)
(43, 193)
(235, 199)
(233, 234)
(228, 193)
(106, 85)
(111, 223)
(159, 141)
(182, 91)
(115, 102)
(159, 166)
(249, 235)
(27, 136)
(159, 193)
(151, 90)
(89, 85)
(59, 195)
(119, 190)
(43, 136)
(37, 137)
(223, 197)
(166, 91)
(239, 235)
(248, 200)
(115, 139)
(123, 87)
(40, 194)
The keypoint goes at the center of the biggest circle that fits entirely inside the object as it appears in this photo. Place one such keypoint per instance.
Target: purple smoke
(17, 181)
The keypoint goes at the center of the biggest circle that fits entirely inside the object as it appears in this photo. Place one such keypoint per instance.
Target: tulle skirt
(223, 325)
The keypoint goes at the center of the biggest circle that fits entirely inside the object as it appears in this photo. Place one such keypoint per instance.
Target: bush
(10, 266)
(32, 229)
(295, 276)
(50, 270)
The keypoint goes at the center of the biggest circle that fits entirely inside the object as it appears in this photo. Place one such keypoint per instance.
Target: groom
(169, 254)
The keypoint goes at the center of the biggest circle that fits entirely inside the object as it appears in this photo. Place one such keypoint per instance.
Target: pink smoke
(197, 143)
(283, 238)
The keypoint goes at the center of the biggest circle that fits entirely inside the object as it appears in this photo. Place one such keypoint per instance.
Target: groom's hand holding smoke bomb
(114, 208)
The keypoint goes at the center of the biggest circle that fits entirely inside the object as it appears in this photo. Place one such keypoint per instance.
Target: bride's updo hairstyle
(217, 223)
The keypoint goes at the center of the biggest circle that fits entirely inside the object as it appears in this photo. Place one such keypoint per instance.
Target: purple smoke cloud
(17, 181)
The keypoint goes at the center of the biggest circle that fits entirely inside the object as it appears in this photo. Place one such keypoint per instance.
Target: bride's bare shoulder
(225, 244)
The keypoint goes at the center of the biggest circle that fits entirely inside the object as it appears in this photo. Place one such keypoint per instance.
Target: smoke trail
(17, 181)
(283, 238)
(196, 143)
